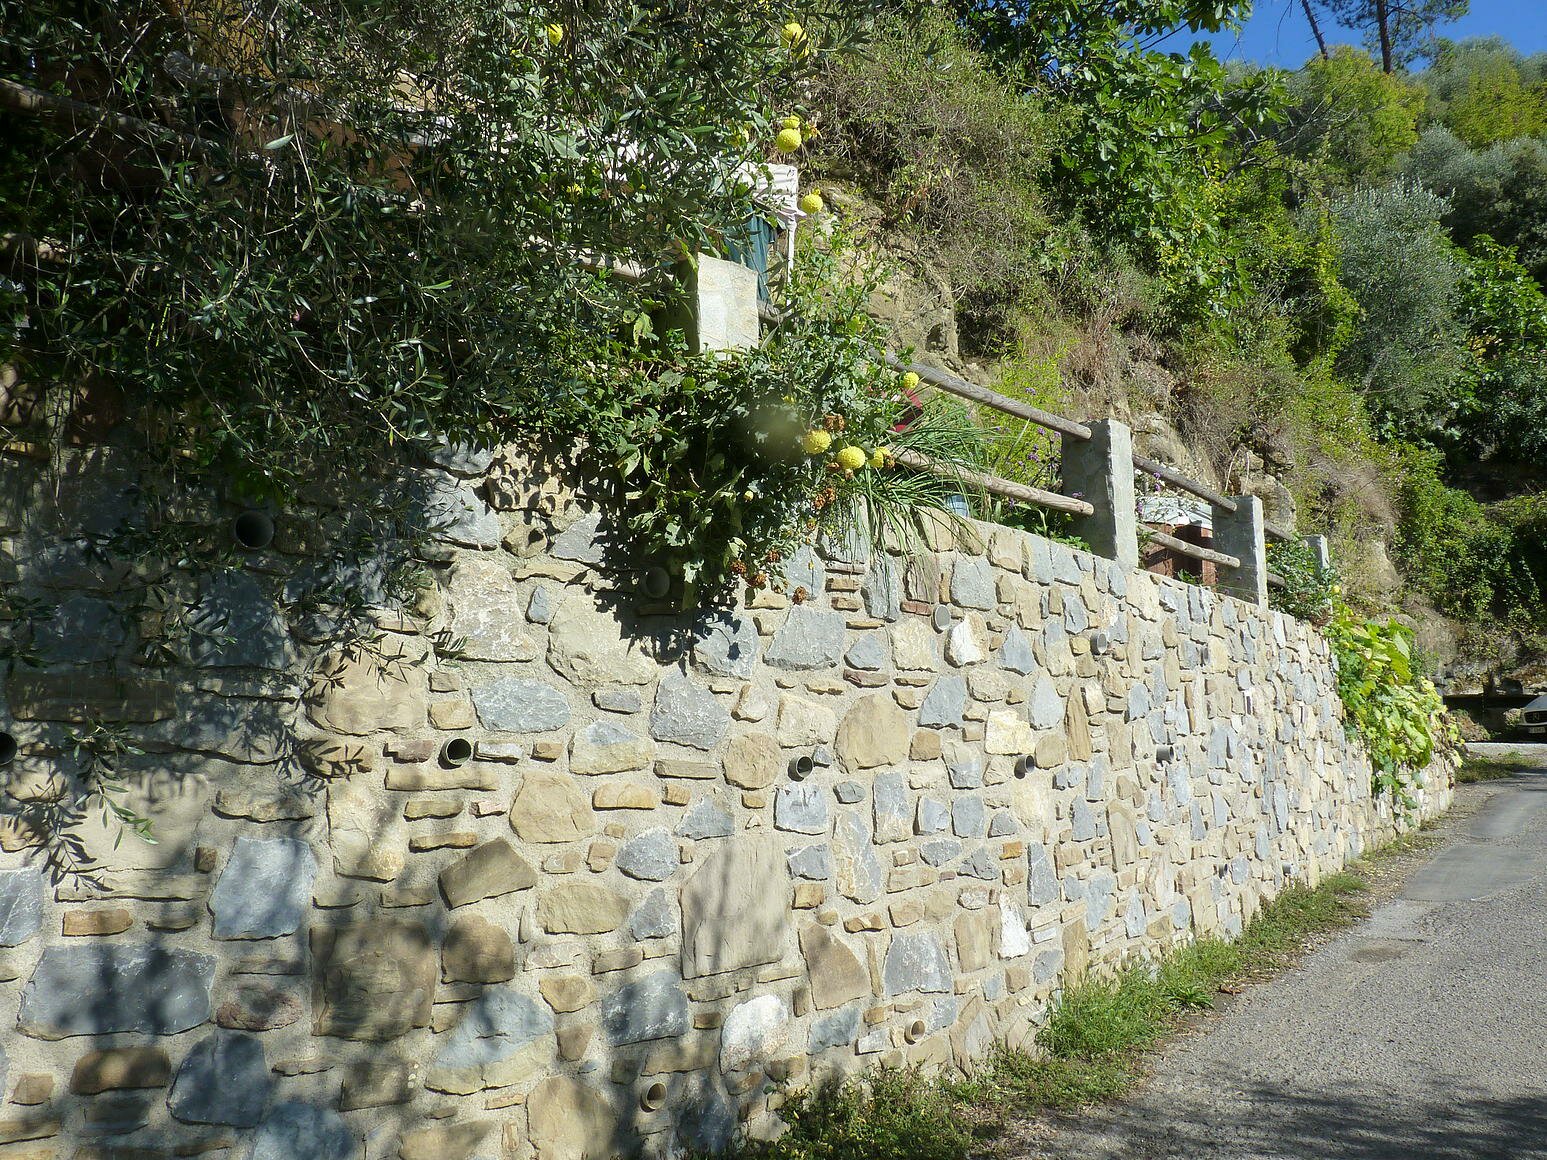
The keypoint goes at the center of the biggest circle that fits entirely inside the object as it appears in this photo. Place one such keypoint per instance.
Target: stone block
(837, 974)
(372, 981)
(223, 1080)
(808, 640)
(655, 1007)
(686, 714)
(477, 951)
(875, 732)
(265, 889)
(749, 879)
(489, 871)
(103, 989)
(589, 646)
(113, 1069)
(519, 705)
(580, 908)
(550, 807)
(295, 1130)
(607, 747)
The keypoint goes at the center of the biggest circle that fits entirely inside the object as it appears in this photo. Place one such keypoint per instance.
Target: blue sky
(1277, 33)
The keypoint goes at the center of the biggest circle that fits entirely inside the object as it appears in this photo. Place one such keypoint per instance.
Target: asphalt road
(1419, 1035)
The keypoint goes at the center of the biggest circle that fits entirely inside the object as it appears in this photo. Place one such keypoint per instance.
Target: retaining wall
(628, 918)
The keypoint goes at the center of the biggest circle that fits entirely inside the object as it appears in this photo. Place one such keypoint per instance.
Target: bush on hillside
(950, 150)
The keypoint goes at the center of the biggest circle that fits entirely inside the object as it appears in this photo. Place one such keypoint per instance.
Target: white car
(1534, 717)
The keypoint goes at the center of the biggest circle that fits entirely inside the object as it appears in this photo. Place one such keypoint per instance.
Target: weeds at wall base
(1093, 1047)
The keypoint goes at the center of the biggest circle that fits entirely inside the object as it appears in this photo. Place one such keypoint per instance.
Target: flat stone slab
(103, 990)
(265, 889)
(224, 1080)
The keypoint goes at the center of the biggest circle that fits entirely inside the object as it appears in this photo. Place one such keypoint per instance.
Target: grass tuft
(1477, 768)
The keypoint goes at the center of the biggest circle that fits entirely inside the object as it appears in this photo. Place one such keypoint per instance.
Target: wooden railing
(1100, 457)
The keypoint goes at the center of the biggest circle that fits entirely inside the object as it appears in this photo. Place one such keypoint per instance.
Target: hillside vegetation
(1331, 278)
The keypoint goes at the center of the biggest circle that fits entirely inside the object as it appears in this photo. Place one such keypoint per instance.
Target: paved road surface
(1419, 1035)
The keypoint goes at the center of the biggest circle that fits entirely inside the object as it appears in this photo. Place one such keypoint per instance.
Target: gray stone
(945, 704)
(1133, 916)
(618, 700)
(892, 807)
(655, 918)
(1076, 616)
(236, 625)
(754, 1031)
(1015, 653)
(542, 606)
(808, 639)
(836, 1030)
(1002, 825)
(869, 652)
(849, 792)
(224, 1080)
(726, 644)
(811, 862)
(497, 1024)
(882, 590)
(981, 864)
(296, 1130)
(706, 820)
(454, 512)
(21, 905)
(654, 1007)
(1084, 821)
(933, 817)
(1047, 707)
(861, 877)
(965, 772)
(940, 851)
(264, 890)
(1047, 965)
(515, 705)
(968, 817)
(687, 715)
(972, 583)
(916, 962)
(802, 809)
(804, 570)
(650, 856)
(584, 541)
(708, 1124)
(103, 989)
(460, 458)
(82, 630)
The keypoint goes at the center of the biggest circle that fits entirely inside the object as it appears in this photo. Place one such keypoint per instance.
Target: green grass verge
(1478, 768)
(1092, 1047)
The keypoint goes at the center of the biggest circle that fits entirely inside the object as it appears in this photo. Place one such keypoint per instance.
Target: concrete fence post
(1321, 552)
(719, 308)
(1242, 533)
(1100, 470)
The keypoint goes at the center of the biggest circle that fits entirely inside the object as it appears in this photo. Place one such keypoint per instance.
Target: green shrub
(1391, 707)
(1308, 592)
(888, 1114)
(947, 147)
(1396, 260)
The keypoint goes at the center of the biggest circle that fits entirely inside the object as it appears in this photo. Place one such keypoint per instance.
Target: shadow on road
(1264, 1122)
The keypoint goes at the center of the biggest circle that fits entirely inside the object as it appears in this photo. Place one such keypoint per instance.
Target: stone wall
(633, 913)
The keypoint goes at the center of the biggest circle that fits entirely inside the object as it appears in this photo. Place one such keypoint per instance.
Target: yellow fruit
(555, 34)
(878, 458)
(790, 122)
(812, 203)
(852, 458)
(788, 140)
(792, 34)
(910, 381)
(816, 441)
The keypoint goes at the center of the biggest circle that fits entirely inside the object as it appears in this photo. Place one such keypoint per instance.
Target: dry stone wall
(687, 860)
